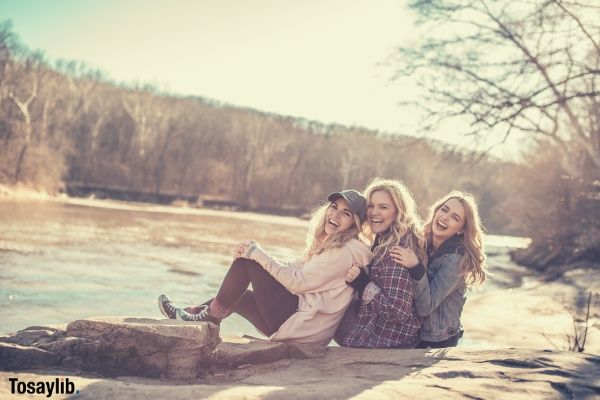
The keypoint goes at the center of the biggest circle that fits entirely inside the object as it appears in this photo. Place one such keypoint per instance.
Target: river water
(77, 258)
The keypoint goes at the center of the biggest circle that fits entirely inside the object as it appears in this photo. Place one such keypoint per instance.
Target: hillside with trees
(66, 127)
(66, 124)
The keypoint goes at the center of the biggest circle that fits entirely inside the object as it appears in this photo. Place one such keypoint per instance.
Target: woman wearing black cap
(299, 302)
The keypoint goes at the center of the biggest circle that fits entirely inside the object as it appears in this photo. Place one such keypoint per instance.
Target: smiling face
(338, 217)
(381, 211)
(447, 221)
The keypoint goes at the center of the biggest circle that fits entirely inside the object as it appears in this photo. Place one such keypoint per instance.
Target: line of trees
(66, 123)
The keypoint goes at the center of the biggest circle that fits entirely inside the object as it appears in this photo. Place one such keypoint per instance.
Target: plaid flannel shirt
(390, 319)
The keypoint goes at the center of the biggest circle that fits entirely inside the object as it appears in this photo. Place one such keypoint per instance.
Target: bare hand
(352, 273)
(404, 256)
(241, 250)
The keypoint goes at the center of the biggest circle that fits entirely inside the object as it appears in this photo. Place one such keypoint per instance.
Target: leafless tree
(511, 67)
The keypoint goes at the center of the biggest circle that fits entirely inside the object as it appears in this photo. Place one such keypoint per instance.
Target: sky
(322, 60)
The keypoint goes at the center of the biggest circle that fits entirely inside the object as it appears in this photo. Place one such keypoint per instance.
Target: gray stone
(114, 346)
(33, 335)
(304, 350)
(234, 352)
(14, 357)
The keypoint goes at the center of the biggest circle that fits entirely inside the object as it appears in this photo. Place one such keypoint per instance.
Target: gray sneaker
(166, 307)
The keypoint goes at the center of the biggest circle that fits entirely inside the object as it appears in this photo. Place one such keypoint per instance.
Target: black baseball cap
(356, 201)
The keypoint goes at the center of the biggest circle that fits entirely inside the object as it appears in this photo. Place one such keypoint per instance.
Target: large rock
(34, 335)
(117, 346)
(142, 346)
(14, 357)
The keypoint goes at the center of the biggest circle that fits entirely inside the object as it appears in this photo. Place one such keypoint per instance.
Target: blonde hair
(406, 229)
(316, 239)
(473, 261)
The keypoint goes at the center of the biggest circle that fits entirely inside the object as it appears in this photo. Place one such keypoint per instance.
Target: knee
(244, 264)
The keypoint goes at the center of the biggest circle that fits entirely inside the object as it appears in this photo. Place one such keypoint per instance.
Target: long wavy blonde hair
(473, 262)
(317, 240)
(406, 230)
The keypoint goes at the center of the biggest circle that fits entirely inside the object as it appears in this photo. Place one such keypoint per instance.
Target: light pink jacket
(320, 285)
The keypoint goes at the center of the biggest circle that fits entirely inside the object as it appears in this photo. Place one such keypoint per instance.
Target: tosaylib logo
(48, 388)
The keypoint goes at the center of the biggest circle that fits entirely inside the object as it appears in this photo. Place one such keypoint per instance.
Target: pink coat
(323, 294)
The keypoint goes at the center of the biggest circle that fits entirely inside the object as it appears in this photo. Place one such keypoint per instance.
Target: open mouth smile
(441, 225)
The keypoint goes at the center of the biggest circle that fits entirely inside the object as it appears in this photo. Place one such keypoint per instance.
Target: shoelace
(186, 316)
(170, 309)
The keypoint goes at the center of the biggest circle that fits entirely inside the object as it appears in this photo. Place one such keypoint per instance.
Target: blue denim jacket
(441, 293)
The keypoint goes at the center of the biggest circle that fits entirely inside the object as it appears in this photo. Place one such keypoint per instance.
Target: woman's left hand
(352, 273)
(244, 249)
(404, 256)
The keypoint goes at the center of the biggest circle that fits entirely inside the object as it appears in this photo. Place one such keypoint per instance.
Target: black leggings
(267, 306)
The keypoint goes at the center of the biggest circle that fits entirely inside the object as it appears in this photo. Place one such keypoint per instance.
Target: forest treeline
(65, 123)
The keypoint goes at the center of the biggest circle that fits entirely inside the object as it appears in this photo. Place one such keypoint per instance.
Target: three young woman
(302, 301)
(411, 294)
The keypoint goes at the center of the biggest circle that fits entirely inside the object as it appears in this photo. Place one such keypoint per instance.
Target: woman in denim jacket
(456, 260)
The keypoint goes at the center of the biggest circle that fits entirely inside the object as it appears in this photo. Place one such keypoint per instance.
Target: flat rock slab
(34, 335)
(14, 357)
(172, 331)
(117, 346)
(128, 346)
(236, 352)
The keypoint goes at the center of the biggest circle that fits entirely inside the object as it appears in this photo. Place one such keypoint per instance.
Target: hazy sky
(318, 59)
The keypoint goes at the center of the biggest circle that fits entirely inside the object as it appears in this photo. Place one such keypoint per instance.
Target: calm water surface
(61, 261)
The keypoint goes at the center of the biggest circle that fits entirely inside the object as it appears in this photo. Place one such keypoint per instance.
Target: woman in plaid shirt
(384, 316)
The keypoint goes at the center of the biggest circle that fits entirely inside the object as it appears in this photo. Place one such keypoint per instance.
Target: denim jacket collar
(455, 244)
